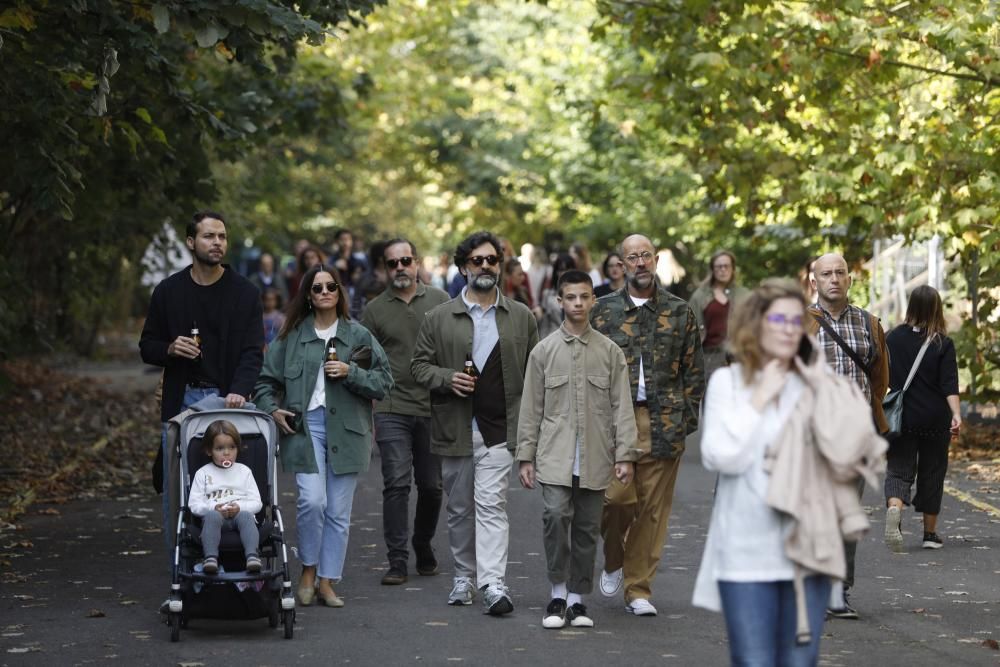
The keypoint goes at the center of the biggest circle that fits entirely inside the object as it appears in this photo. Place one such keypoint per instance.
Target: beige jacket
(827, 442)
(576, 389)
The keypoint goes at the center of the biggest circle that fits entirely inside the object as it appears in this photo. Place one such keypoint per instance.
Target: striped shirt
(853, 328)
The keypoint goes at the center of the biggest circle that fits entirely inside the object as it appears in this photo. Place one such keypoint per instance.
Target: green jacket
(288, 378)
(704, 295)
(663, 332)
(444, 339)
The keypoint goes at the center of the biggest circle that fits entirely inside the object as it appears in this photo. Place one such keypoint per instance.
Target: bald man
(659, 335)
(854, 343)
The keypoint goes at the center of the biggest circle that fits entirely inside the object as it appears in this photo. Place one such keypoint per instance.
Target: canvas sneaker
(611, 582)
(932, 541)
(640, 607)
(210, 565)
(555, 614)
(253, 564)
(843, 610)
(462, 592)
(578, 617)
(496, 600)
(893, 532)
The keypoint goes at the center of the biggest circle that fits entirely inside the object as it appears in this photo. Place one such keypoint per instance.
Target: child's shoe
(210, 565)
(253, 564)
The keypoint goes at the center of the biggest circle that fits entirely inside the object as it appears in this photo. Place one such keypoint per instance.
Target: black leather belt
(202, 384)
(642, 404)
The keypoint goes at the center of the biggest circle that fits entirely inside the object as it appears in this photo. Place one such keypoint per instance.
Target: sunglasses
(478, 260)
(393, 263)
(330, 287)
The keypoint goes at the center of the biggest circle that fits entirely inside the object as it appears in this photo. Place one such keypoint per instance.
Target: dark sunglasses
(478, 260)
(393, 263)
(330, 287)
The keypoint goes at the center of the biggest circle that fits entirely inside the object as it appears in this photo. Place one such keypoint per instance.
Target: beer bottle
(331, 353)
(470, 368)
(196, 335)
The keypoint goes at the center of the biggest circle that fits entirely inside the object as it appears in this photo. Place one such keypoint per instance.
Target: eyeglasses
(393, 263)
(720, 267)
(779, 320)
(478, 260)
(634, 258)
(330, 287)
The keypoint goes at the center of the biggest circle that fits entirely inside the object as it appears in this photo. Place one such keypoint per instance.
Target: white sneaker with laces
(611, 582)
(893, 532)
(462, 592)
(640, 607)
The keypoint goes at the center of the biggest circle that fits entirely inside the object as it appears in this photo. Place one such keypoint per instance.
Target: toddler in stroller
(218, 573)
(224, 494)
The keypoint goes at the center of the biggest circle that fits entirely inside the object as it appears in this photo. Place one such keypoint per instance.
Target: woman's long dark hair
(300, 306)
(925, 312)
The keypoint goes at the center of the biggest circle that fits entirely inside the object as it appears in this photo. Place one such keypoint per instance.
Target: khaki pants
(634, 523)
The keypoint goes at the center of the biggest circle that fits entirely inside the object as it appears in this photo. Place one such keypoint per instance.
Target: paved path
(106, 558)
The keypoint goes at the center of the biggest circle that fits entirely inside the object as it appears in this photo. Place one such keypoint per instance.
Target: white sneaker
(462, 593)
(893, 533)
(640, 607)
(611, 582)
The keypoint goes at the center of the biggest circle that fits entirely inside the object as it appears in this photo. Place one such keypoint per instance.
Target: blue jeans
(191, 396)
(404, 442)
(760, 620)
(324, 507)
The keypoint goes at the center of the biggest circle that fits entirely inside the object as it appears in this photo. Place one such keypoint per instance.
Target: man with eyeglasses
(402, 419)
(659, 335)
(226, 310)
(854, 343)
(474, 417)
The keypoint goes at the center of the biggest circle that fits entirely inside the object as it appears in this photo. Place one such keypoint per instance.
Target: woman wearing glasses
(323, 409)
(788, 438)
(712, 304)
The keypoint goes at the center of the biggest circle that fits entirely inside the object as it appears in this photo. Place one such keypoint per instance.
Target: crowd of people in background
(428, 358)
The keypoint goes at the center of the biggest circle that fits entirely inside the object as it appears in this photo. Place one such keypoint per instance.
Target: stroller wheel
(288, 618)
(175, 627)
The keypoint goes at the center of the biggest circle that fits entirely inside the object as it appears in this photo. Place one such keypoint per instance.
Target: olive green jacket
(663, 332)
(445, 338)
(288, 378)
(703, 296)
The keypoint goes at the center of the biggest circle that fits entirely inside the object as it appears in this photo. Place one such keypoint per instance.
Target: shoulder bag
(892, 404)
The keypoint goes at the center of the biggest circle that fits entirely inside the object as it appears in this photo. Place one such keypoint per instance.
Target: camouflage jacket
(663, 332)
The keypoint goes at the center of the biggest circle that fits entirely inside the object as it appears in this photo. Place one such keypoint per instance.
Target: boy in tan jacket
(576, 428)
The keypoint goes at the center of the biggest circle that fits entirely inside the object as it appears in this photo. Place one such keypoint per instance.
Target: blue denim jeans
(760, 620)
(324, 507)
(404, 442)
(191, 396)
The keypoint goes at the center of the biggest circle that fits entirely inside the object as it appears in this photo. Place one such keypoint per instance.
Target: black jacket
(242, 336)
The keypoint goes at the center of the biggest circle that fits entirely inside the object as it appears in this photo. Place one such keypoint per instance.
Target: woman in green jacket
(712, 305)
(329, 447)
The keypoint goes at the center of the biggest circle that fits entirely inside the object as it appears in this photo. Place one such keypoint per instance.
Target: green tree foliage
(113, 114)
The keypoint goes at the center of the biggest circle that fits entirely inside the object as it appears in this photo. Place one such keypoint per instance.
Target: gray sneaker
(462, 592)
(893, 532)
(496, 600)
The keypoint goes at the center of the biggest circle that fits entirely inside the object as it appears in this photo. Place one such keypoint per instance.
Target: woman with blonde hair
(931, 415)
(787, 472)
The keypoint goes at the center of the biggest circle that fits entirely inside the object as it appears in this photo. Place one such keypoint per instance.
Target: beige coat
(827, 442)
(576, 388)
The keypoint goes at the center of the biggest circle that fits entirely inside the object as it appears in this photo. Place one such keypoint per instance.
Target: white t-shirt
(318, 399)
(640, 393)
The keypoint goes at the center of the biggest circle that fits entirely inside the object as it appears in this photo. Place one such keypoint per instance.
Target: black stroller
(233, 593)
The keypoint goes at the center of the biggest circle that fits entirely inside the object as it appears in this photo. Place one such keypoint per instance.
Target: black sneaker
(847, 612)
(427, 565)
(932, 541)
(577, 616)
(396, 574)
(555, 614)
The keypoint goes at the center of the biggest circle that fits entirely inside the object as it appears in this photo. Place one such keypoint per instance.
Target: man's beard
(207, 259)
(402, 281)
(484, 282)
(640, 281)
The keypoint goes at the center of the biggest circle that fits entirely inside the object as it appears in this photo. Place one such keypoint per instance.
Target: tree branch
(985, 80)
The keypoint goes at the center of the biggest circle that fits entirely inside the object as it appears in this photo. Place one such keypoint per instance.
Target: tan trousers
(634, 523)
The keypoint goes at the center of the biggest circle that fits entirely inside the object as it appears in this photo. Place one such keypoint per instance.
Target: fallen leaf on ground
(95, 613)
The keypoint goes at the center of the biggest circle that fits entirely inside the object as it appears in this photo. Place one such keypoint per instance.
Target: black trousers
(923, 457)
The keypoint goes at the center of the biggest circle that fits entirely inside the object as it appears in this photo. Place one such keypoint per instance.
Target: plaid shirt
(852, 328)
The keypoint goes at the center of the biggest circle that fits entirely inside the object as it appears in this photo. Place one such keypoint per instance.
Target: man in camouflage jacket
(659, 335)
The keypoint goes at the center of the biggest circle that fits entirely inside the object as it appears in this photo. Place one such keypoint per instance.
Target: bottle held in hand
(331, 352)
(196, 336)
(470, 368)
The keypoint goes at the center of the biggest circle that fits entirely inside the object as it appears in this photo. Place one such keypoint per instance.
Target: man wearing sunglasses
(474, 419)
(402, 419)
(659, 335)
(226, 310)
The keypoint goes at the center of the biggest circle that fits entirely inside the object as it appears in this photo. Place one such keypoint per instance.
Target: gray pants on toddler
(213, 524)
